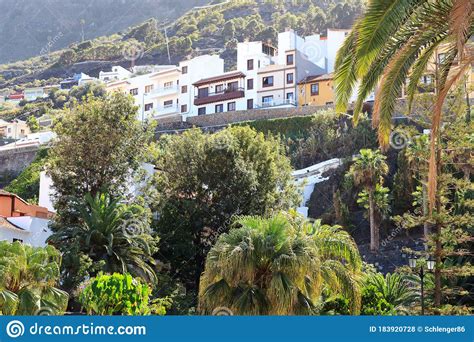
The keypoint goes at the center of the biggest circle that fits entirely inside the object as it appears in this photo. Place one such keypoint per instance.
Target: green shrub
(120, 294)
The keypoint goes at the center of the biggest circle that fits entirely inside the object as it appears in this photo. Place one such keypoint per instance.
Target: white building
(31, 140)
(31, 94)
(26, 229)
(17, 129)
(116, 74)
(192, 71)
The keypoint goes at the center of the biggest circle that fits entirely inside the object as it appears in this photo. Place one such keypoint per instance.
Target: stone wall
(220, 119)
(14, 161)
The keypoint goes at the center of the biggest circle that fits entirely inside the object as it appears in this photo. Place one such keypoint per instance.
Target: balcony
(224, 95)
(163, 91)
(273, 103)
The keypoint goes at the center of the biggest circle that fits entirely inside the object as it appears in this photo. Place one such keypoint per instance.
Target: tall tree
(279, 266)
(100, 145)
(368, 171)
(396, 40)
(207, 179)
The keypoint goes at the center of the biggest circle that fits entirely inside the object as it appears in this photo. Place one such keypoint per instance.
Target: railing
(163, 91)
(223, 95)
(273, 103)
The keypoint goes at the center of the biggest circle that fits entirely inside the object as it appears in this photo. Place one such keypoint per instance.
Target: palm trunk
(438, 245)
(426, 225)
(374, 236)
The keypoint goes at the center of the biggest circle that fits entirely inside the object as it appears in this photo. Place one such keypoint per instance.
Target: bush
(120, 294)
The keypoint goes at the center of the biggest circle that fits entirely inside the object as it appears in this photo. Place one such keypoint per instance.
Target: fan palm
(368, 171)
(394, 42)
(28, 276)
(279, 266)
(115, 233)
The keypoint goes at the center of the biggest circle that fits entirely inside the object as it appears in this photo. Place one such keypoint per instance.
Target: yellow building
(316, 90)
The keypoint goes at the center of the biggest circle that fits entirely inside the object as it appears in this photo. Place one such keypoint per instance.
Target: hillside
(213, 29)
(27, 26)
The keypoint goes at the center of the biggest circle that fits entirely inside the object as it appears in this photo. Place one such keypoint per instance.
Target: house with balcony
(17, 129)
(31, 94)
(192, 71)
(222, 93)
(161, 94)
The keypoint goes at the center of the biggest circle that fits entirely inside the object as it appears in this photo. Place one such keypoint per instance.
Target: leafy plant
(120, 294)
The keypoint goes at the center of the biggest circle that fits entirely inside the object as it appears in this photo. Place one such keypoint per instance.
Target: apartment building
(277, 82)
(192, 71)
(223, 93)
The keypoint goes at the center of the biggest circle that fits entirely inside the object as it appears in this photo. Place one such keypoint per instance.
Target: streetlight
(430, 263)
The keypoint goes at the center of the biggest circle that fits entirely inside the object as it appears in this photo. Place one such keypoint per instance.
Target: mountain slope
(212, 29)
(27, 26)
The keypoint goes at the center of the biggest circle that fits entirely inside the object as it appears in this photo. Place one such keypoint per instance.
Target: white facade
(32, 94)
(46, 191)
(116, 74)
(193, 70)
(17, 129)
(29, 230)
(31, 140)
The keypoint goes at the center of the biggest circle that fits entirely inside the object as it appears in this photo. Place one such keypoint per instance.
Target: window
(250, 64)
(426, 79)
(203, 92)
(184, 70)
(289, 60)
(134, 91)
(168, 85)
(267, 81)
(289, 78)
(441, 58)
(315, 89)
(231, 106)
(250, 84)
(219, 88)
(22, 131)
(232, 86)
(184, 89)
(184, 108)
(290, 96)
(202, 111)
(329, 103)
(219, 108)
(148, 106)
(19, 240)
(250, 104)
(148, 88)
(168, 104)
(9, 129)
(267, 100)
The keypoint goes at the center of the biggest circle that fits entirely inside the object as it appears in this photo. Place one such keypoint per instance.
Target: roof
(314, 78)
(5, 224)
(222, 77)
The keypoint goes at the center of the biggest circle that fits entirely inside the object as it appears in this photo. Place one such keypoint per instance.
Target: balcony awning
(220, 78)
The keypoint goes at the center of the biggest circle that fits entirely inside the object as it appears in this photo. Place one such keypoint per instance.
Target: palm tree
(397, 289)
(279, 266)
(394, 42)
(368, 171)
(28, 276)
(116, 234)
